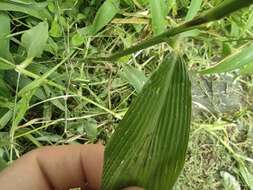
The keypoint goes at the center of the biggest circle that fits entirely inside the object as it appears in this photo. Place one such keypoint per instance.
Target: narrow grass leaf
(4, 90)
(4, 41)
(246, 176)
(134, 76)
(158, 12)
(241, 57)
(194, 9)
(149, 146)
(4, 32)
(22, 107)
(37, 10)
(35, 39)
(5, 119)
(105, 14)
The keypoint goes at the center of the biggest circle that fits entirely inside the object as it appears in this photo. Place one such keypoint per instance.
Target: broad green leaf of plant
(35, 39)
(149, 146)
(158, 12)
(134, 76)
(37, 10)
(241, 57)
(105, 14)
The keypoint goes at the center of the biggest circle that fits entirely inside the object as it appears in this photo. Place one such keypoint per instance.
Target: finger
(57, 168)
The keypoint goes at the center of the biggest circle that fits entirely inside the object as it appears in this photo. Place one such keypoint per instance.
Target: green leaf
(247, 69)
(134, 76)
(105, 14)
(35, 39)
(149, 146)
(194, 9)
(4, 90)
(158, 12)
(37, 10)
(246, 175)
(241, 57)
(91, 129)
(5, 119)
(4, 65)
(77, 39)
(4, 41)
(55, 30)
(22, 107)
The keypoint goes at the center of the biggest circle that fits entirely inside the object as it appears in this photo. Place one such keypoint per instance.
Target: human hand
(57, 168)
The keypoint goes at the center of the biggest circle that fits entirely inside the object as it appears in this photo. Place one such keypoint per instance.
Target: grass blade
(4, 41)
(4, 32)
(193, 10)
(37, 10)
(240, 58)
(148, 148)
(158, 12)
(105, 14)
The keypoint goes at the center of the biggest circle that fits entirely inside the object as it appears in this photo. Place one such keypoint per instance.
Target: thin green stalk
(14, 126)
(222, 10)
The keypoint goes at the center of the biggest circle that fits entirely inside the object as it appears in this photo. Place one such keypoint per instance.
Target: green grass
(61, 98)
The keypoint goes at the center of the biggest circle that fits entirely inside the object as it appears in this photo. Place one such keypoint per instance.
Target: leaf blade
(4, 32)
(36, 10)
(105, 14)
(134, 77)
(193, 10)
(147, 131)
(35, 39)
(238, 59)
(158, 12)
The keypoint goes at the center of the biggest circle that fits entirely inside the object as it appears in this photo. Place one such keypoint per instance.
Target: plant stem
(222, 10)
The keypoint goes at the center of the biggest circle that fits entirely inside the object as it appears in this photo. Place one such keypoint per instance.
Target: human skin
(57, 168)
